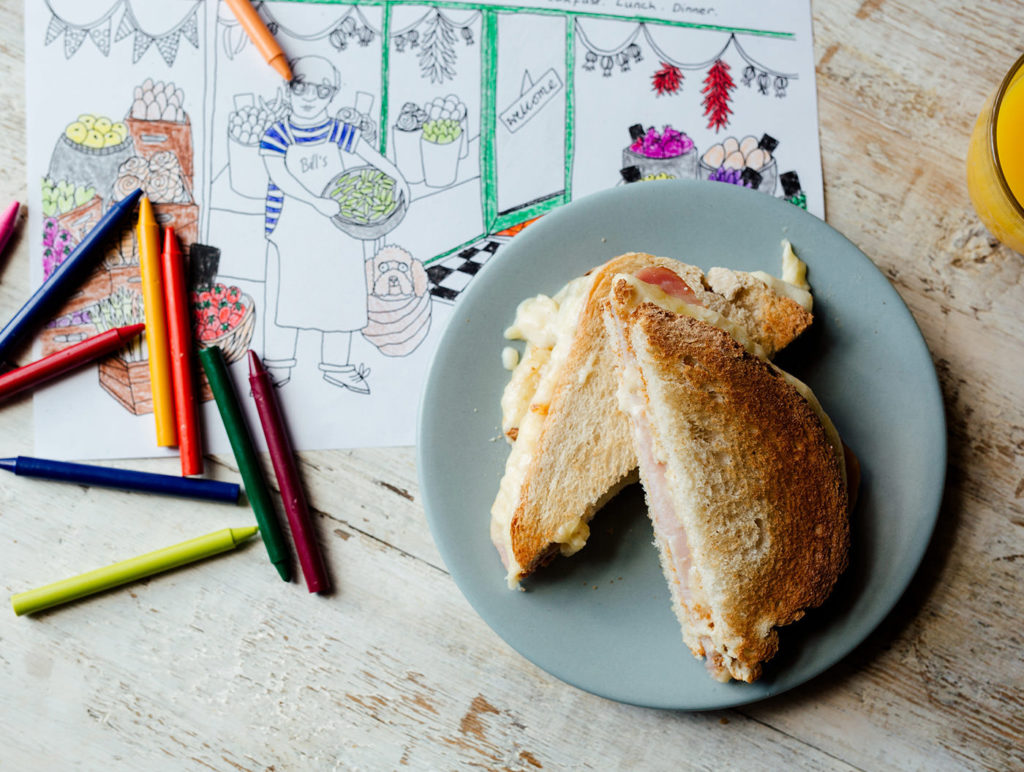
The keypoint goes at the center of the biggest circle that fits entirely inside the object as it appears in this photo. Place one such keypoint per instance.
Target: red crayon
(283, 459)
(66, 359)
(179, 338)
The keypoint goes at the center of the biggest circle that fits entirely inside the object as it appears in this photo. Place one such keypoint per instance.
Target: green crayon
(129, 570)
(245, 454)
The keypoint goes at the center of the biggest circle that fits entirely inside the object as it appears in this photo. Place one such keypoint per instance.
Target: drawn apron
(322, 284)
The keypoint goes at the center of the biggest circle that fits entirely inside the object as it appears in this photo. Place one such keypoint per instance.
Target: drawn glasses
(391, 265)
(299, 88)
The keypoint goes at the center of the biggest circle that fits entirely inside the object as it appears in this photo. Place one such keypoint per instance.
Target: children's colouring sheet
(332, 224)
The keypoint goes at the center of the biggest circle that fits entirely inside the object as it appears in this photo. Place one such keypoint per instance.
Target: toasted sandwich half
(572, 449)
(744, 475)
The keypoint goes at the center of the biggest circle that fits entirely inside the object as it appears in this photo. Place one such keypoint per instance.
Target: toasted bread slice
(744, 478)
(572, 448)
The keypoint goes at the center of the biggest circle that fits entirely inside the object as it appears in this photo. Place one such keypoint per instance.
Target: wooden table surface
(207, 668)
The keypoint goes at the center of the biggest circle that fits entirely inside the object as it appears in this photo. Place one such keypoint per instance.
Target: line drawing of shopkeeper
(316, 278)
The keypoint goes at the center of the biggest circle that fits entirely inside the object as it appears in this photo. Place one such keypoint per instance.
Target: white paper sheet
(487, 113)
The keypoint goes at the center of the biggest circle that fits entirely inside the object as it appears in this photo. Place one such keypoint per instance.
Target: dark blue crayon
(66, 276)
(123, 479)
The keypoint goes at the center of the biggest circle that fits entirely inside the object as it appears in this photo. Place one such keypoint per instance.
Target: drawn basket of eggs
(728, 161)
(90, 151)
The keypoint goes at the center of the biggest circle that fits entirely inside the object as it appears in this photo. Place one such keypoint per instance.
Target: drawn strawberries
(216, 311)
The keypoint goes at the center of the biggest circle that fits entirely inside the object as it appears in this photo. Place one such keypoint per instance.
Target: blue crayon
(66, 276)
(123, 479)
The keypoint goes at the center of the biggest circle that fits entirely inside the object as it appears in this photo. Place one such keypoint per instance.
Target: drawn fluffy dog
(398, 306)
(394, 273)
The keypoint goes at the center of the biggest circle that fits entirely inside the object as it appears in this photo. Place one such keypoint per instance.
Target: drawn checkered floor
(450, 275)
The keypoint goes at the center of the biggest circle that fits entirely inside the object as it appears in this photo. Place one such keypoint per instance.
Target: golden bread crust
(767, 507)
(774, 319)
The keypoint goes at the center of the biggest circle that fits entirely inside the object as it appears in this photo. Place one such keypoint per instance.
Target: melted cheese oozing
(793, 283)
(509, 358)
(548, 325)
(540, 321)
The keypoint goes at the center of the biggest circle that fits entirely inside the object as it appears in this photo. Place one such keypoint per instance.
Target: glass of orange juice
(995, 161)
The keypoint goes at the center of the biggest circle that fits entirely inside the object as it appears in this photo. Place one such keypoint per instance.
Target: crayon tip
(10, 464)
(170, 241)
(241, 534)
(130, 331)
(280, 63)
(255, 366)
(11, 213)
(282, 569)
(129, 201)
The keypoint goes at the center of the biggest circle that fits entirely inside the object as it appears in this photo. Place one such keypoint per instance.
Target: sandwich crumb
(723, 721)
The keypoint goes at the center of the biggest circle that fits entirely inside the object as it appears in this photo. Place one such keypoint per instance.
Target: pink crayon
(7, 222)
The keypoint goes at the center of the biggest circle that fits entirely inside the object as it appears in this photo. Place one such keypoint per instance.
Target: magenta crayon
(8, 221)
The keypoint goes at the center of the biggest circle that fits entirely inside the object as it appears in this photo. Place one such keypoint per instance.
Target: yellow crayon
(157, 340)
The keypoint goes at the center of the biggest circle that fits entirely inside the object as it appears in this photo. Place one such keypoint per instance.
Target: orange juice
(995, 161)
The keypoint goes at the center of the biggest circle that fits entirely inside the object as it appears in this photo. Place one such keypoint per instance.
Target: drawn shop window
(530, 107)
(664, 102)
(433, 127)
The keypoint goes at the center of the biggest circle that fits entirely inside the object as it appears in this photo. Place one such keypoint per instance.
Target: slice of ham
(668, 527)
(669, 282)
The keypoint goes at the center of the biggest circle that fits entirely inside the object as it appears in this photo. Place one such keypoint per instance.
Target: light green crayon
(129, 570)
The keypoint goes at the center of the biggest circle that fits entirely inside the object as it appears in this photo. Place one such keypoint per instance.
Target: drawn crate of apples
(79, 178)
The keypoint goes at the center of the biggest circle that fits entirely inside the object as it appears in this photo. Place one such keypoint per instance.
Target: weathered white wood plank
(252, 672)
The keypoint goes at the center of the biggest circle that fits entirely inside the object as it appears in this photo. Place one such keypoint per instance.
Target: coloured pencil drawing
(332, 223)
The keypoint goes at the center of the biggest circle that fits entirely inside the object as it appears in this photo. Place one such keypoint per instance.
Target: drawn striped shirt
(282, 135)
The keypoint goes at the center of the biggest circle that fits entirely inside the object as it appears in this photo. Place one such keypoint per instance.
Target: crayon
(260, 36)
(65, 276)
(283, 459)
(122, 479)
(223, 389)
(179, 339)
(8, 221)
(129, 570)
(66, 359)
(156, 326)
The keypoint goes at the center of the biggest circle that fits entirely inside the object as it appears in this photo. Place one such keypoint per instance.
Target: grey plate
(601, 620)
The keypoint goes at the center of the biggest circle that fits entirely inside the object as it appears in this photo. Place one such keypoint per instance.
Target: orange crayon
(260, 36)
(179, 338)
